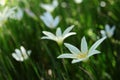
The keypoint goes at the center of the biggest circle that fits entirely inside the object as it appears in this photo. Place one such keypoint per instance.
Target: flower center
(82, 55)
(24, 55)
(59, 40)
(109, 34)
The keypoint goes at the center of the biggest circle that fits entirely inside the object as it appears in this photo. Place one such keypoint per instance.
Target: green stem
(88, 73)
(65, 68)
(35, 69)
(53, 61)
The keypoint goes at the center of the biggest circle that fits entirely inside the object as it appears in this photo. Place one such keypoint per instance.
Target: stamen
(82, 55)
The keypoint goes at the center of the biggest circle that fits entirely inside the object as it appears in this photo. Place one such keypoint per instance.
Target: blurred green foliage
(88, 17)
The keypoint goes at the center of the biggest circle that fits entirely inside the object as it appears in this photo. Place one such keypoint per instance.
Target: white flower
(59, 37)
(50, 7)
(108, 31)
(78, 1)
(49, 21)
(102, 3)
(18, 14)
(5, 14)
(84, 54)
(21, 54)
(2, 2)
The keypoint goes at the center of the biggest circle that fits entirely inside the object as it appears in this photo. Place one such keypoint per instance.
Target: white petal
(49, 34)
(78, 60)
(72, 48)
(93, 53)
(15, 57)
(48, 19)
(68, 30)
(112, 29)
(84, 47)
(48, 16)
(23, 50)
(69, 34)
(107, 28)
(18, 56)
(44, 37)
(55, 3)
(66, 56)
(96, 44)
(78, 1)
(46, 22)
(58, 32)
(9, 12)
(24, 54)
(47, 7)
(103, 33)
(56, 21)
(18, 52)
(29, 52)
(19, 14)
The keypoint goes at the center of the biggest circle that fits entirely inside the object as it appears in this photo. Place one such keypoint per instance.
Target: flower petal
(29, 52)
(49, 34)
(93, 53)
(112, 29)
(96, 44)
(68, 30)
(47, 23)
(56, 21)
(24, 54)
(69, 34)
(72, 48)
(48, 17)
(55, 3)
(84, 47)
(23, 50)
(107, 28)
(47, 7)
(78, 60)
(16, 57)
(45, 37)
(18, 52)
(103, 33)
(58, 32)
(111, 32)
(66, 56)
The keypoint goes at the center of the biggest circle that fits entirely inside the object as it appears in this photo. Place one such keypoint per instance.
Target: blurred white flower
(18, 14)
(2, 2)
(50, 72)
(59, 37)
(50, 7)
(102, 3)
(30, 13)
(47, 18)
(63, 4)
(5, 14)
(108, 31)
(78, 1)
(84, 54)
(21, 54)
